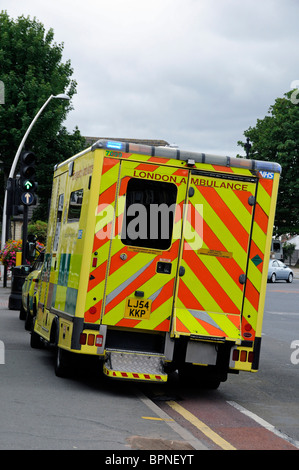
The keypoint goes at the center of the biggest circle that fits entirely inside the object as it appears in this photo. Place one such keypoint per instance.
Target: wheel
(211, 383)
(28, 321)
(62, 363)
(35, 340)
(192, 375)
(22, 315)
(290, 278)
(28, 318)
(273, 277)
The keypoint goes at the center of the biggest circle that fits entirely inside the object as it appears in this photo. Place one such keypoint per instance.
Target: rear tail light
(236, 354)
(83, 337)
(91, 340)
(99, 341)
(250, 356)
(243, 356)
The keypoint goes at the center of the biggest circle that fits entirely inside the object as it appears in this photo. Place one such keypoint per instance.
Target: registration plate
(137, 308)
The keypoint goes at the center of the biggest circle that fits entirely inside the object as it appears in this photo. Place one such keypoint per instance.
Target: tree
(288, 250)
(276, 138)
(39, 229)
(31, 70)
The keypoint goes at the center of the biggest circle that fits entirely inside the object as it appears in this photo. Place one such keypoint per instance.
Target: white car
(278, 271)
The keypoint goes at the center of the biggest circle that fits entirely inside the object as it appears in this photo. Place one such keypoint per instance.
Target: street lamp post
(16, 159)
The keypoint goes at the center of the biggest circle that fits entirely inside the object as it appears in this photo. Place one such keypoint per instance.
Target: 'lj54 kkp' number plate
(137, 308)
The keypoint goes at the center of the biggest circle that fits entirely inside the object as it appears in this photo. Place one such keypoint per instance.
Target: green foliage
(39, 229)
(276, 138)
(32, 70)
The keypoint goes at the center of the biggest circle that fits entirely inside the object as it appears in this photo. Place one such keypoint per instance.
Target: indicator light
(90, 340)
(243, 356)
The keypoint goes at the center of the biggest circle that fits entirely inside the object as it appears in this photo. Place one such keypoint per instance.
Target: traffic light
(27, 182)
(14, 205)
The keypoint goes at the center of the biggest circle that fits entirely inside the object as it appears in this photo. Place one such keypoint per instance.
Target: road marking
(264, 423)
(285, 291)
(201, 426)
(186, 435)
(283, 313)
(157, 419)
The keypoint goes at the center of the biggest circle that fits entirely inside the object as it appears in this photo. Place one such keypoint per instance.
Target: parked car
(30, 293)
(279, 271)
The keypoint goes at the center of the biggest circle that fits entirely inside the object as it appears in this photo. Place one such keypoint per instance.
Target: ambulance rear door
(143, 255)
(214, 262)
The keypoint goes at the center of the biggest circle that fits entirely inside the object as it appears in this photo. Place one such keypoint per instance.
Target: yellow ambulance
(156, 261)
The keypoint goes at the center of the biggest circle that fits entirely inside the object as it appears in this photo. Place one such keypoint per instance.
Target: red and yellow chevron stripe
(213, 271)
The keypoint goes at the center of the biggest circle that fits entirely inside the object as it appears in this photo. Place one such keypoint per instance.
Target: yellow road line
(157, 419)
(201, 426)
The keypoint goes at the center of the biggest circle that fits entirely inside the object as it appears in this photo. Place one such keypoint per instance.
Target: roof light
(268, 166)
(190, 162)
(170, 152)
(112, 144)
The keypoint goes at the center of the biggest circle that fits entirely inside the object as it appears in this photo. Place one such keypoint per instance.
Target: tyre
(35, 340)
(22, 315)
(211, 384)
(194, 376)
(290, 278)
(28, 321)
(62, 363)
(28, 318)
(273, 277)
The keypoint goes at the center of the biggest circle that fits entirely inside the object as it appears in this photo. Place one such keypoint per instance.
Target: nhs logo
(267, 174)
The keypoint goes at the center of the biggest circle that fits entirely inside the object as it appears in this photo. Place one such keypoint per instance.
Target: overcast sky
(196, 73)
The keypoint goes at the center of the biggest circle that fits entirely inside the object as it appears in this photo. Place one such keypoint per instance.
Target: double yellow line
(218, 440)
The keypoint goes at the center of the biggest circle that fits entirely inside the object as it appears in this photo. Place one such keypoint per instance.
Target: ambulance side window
(149, 214)
(58, 222)
(75, 205)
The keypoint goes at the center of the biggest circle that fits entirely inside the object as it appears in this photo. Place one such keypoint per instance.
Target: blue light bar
(112, 144)
(177, 154)
(267, 166)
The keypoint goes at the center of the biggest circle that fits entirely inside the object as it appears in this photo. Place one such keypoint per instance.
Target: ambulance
(156, 262)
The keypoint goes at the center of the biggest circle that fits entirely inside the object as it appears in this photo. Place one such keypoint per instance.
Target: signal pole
(14, 164)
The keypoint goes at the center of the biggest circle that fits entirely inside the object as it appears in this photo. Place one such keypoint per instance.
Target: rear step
(136, 366)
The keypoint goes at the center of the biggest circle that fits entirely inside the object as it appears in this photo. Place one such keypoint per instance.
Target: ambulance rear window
(75, 205)
(149, 214)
